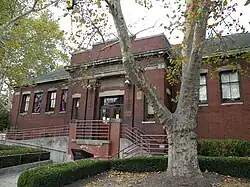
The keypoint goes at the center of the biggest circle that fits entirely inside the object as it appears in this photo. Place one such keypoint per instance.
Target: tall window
(75, 108)
(25, 103)
(63, 100)
(203, 89)
(230, 86)
(51, 101)
(149, 112)
(37, 102)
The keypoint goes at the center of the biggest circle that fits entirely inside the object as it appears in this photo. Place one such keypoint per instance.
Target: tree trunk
(182, 149)
(133, 70)
(182, 155)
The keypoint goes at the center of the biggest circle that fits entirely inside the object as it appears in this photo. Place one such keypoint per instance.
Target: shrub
(66, 173)
(140, 164)
(19, 150)
(9, 147)
(13, 160)
(226, 148)
(233, 166)
(62, 174)
(16, 155)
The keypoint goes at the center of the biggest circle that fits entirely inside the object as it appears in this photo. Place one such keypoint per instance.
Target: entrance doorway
(111, 107)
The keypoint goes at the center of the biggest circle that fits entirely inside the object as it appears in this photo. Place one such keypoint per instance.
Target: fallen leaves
(127, 179)
(121, 179)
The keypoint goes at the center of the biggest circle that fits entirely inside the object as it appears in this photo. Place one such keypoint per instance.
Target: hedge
(226, 148)
(18, 159)
(16, 155)
(20, 151)
(233, 166)
(140, 164)
(63, 174)
(9, 147)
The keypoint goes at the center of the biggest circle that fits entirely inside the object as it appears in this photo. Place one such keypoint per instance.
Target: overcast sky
(134, 13)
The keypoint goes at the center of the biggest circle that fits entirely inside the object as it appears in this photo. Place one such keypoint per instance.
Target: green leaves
(33, 46)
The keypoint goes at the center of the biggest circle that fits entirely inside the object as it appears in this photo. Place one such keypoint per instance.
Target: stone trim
(232, 103)
(111, 93)
(226, 68)
(26, 92)
(65, 88)
(76, 95)
(158, 66)
(38, 91)
(52, 89)
(203, 71)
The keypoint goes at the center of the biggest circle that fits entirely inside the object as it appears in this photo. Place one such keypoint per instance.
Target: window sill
(35, 113)
(23, 113)
(62, 112)
(49, 112)
(232, 103)
(146, 122)
(203, 105)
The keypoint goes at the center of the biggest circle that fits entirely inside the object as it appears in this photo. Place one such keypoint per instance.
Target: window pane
(202, 79)
(235, 91)
(226, 91)
(37, 103)
(224, 77)
(203, 93)
(150, 109)
(234, 77)
(53, 95)
(53, 104)
(63, 100)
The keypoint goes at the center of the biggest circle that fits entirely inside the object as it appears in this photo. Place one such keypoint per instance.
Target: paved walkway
(9, 180)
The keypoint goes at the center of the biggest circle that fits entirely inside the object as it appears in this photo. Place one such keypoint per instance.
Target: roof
(231, 44)
(140, 45)
(56, 75)
(228, 44)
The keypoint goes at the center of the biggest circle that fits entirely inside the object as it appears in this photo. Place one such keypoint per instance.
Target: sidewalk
(9, 180)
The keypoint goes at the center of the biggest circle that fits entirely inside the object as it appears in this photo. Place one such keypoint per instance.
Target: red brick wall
(218, 121)
(97, 52)
(157, 78)
(30, 120)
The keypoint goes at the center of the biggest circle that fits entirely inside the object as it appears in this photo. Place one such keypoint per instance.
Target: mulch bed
(155, 179)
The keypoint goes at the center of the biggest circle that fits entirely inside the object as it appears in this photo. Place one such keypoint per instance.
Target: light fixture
(127, 82)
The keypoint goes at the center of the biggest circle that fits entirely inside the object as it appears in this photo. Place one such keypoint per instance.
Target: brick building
(95, 86)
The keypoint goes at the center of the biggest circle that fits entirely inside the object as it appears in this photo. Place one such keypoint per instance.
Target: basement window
(37, 102)
(51, 101)
(25, 103)
(230, 86)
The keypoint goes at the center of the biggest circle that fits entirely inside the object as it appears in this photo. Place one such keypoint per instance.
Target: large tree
(180, 126)
(31, 42)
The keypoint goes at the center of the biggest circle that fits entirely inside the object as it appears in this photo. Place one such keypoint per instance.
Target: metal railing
(142, 144)
(92, 129)
(41, 132)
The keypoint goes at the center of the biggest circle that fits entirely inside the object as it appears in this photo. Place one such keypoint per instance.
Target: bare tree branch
(132, 37)
(97, 28)
(132, 68)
